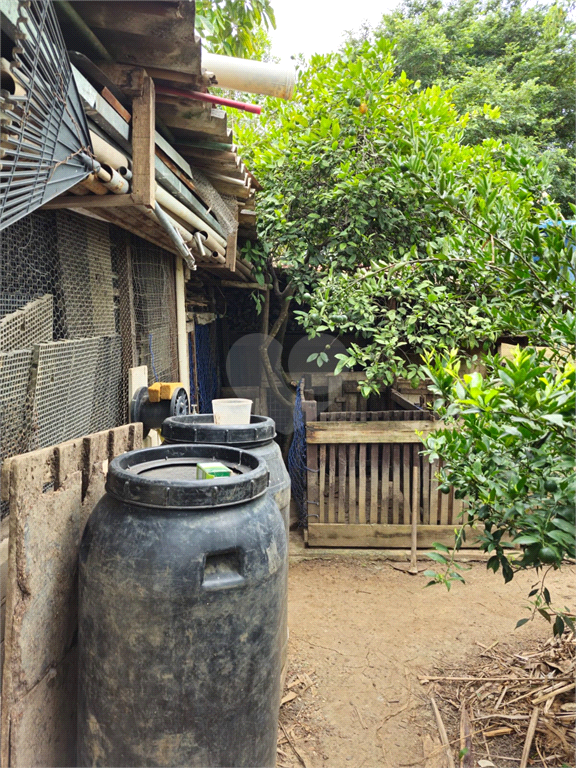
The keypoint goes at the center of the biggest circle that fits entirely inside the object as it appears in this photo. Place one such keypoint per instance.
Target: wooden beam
(115, 104)
(91, 201)
(128, 78)
(143, 145)
(368, 431)
(382, 536)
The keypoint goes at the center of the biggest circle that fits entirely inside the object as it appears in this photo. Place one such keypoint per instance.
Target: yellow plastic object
(163, 390)
(167, 389)
(154, 392)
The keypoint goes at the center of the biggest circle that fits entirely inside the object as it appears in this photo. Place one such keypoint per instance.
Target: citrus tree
(235, 27)
(378, 219)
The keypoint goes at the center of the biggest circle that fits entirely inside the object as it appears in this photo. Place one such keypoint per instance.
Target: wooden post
(143, 146)
(183, 360)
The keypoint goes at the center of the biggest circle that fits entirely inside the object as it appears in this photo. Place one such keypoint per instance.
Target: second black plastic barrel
(182, 596)
(256, 437)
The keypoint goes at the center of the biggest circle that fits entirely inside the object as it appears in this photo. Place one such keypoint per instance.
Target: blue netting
(206, 371)
(297, 462)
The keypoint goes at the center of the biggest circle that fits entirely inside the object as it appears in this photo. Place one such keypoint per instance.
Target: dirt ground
(360, 635)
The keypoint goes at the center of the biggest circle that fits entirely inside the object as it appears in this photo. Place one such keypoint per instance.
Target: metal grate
(43, 125)
(27, 326)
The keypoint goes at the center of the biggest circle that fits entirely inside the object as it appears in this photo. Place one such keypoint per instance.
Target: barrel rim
(194, 427)
(131, 488)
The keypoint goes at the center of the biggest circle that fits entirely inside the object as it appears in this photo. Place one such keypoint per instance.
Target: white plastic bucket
(231, 410)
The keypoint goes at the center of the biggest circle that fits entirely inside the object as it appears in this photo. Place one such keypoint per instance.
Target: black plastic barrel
(182, 597)
(256, 437)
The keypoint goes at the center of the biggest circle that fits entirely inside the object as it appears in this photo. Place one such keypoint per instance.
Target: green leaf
(437, 557)
(521, 623)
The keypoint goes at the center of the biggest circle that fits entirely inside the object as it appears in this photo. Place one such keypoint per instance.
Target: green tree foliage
(235, 27)
(514, 55)
(383, 219)
(387, 223)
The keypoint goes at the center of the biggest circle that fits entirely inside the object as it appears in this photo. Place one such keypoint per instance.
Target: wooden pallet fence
(361, 483)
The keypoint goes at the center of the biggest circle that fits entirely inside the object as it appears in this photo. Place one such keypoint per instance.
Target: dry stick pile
(519, 708)
(289, 752)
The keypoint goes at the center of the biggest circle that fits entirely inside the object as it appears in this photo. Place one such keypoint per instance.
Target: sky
(318, 26)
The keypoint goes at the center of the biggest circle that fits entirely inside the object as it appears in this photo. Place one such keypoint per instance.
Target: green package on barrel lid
(206, 470)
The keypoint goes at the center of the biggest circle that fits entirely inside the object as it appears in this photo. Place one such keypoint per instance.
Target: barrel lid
(200, 428)
(165, 477)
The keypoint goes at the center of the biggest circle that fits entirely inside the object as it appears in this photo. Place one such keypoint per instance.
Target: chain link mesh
(65, 347)
(297, 457)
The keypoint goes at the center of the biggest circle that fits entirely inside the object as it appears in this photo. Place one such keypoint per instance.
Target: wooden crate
(361, 482)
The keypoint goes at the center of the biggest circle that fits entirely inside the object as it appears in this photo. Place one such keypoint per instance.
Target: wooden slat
(443, 500)
(395, 484)
(406, 473)
(457, 512)
(312, 480)
(331, 483)
(361, 474)
(374, 484)
(434, 493)
(322, 484)
(385, 492)
(367, 432)
(342, 483)
(426, 490)
(382, 536)
(352, 495)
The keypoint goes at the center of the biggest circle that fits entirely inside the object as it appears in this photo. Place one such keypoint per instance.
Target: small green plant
(508, 442)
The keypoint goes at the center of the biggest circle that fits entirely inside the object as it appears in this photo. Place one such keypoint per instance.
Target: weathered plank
(374, 485)
(385, 492)
(143, 145)
(313, 484)
(322, 489)
(396, 493)
(381, 536)
(331, 483)
(367, 432)
(52, 491)
(406, 471)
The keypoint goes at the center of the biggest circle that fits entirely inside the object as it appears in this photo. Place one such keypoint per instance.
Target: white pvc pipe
(106, 153)
(250, 76)
(213, 239)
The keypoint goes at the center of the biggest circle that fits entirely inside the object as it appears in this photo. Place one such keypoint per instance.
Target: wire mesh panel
(27, 326)
(108, 397)
(65, 389)
(86, 277)
(155, 310)
(15, 416)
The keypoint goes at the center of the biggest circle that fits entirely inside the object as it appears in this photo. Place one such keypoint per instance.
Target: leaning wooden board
(51, 492)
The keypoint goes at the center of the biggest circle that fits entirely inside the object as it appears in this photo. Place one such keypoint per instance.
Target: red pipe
(198, 96)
